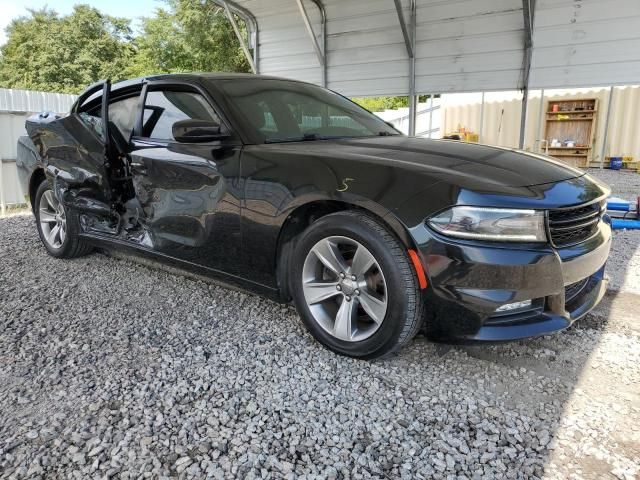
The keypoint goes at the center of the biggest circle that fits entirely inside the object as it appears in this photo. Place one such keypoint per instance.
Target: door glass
(163, 108)
(122, 113)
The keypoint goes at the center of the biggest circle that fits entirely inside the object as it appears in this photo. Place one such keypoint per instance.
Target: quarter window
(165, 107)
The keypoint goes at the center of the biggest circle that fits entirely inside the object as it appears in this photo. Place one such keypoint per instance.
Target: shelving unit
(571, 120)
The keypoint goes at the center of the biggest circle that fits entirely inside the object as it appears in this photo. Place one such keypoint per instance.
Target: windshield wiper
(307, 137)
(387, 134)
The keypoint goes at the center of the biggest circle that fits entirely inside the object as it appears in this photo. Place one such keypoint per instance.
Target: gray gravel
(113, 369)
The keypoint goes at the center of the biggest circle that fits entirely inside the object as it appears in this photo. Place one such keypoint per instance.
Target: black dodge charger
(296, 193)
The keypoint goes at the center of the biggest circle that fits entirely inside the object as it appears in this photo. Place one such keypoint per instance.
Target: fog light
(509, 307)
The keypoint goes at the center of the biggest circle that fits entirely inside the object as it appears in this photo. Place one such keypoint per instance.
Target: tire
(360, 328)
(66, 243)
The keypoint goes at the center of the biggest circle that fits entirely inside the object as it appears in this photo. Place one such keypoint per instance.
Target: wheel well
(34, 182)
(298, 221)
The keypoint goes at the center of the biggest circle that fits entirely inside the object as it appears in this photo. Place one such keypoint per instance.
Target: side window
(163, 108)
(122, 114)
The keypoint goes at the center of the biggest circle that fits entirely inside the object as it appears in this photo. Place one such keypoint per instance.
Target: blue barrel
(616, 163)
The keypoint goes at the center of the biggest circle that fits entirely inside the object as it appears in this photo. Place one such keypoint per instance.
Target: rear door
(187, 192)
(76, 154)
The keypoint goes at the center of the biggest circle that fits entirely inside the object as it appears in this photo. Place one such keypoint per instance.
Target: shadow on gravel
(580, 388)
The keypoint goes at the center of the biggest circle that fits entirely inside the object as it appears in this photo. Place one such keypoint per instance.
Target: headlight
(493, 224)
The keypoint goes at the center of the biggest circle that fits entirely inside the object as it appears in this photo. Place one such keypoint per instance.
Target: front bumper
(469, 281)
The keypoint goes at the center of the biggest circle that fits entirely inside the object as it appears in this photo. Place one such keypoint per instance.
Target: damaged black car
(296, 193)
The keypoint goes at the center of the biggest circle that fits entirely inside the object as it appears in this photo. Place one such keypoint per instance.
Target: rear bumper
(469, 282)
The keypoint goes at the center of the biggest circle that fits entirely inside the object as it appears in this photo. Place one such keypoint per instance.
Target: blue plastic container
(616, 163)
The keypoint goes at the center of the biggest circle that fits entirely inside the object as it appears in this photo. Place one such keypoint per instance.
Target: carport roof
(381, 47)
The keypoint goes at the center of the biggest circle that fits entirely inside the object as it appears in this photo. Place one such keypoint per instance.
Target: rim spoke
(343, 326)
(316, 292)
(373, 306)
(51, 238)
(63, 232)
(46, 216)
(51, 200)
(330, 256)
(362, 261)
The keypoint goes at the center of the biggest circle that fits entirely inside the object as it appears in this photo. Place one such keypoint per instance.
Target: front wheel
(58, 229)
(354, 286)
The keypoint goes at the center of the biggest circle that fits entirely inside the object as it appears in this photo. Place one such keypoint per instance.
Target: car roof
(194, 77)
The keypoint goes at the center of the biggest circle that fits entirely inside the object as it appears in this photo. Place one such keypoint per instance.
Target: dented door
(187, 195)
(74, 154)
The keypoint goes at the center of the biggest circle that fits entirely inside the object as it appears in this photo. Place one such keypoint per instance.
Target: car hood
(445, 160)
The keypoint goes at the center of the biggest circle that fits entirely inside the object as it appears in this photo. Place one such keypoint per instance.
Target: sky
(10, 9)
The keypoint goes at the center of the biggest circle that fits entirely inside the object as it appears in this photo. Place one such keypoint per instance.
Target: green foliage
(188, 36)
(49, 52)
(45, 51)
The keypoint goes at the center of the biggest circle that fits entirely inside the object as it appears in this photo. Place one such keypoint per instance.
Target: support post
(480, 133)
(523, 117)
(606, 128)
(540, 117)
(310, 32)
(244, 47)
(413, 101)
(528, 7)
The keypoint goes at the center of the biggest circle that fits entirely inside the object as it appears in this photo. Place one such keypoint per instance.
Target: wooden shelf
(568, 119)
(569, 148)
(572, 111)
(574, 120)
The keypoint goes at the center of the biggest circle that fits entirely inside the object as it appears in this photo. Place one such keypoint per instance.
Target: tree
(188, 36)
(48, 52)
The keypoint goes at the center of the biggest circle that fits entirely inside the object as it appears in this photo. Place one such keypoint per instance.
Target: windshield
(287, 111)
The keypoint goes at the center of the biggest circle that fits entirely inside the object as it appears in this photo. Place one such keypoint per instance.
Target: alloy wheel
(344, 288)
(53, 221)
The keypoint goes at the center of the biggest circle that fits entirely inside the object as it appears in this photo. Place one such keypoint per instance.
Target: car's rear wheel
(57, 228)
(354, 286)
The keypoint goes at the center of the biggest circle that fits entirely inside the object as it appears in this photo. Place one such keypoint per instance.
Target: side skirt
(146, 256)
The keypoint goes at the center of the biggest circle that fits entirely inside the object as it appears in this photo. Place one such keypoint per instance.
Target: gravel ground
(113, 369)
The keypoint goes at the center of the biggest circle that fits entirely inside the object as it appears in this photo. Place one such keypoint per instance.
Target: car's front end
(521, 269)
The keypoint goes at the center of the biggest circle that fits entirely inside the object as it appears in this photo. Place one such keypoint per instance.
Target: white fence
(15, 107)
(428, 118)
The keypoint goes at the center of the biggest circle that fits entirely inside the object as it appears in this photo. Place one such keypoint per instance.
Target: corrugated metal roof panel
(461, 45)
(586, 43)
(31, 101)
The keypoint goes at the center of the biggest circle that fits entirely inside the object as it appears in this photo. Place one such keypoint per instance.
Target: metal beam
(323, 36)
(252, 61)
(311, 33)
(606, 127)
(408, 42)
(413, 101)
(252, 26)
(528, 7)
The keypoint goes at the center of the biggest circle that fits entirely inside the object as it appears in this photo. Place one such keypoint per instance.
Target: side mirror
(195, 131)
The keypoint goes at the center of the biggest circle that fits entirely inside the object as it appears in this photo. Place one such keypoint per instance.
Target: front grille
(573, 290)
(574, 225)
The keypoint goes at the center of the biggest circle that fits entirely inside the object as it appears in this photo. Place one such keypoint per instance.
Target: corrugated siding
(30, 101)
(582, 43)
(15, 107)
(285, 47)
(462, 45)
(468, 45)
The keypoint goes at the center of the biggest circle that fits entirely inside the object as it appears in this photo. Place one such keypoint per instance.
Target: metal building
(409, 47)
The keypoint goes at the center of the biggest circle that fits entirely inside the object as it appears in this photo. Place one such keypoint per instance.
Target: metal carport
(410, 47)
